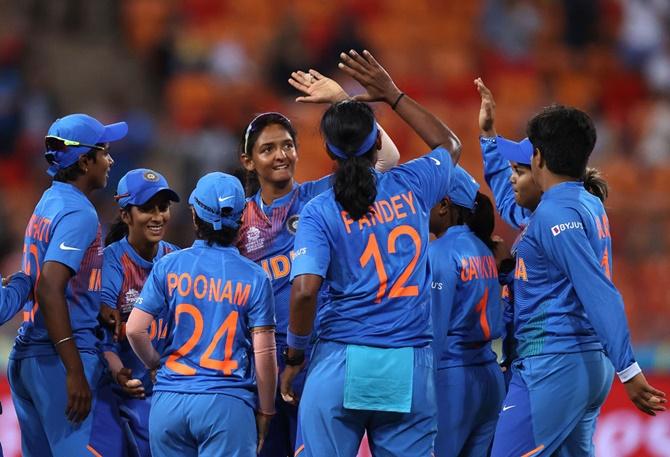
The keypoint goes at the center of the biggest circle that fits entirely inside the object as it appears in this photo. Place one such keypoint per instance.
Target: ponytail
(595, 184)
(482, 220)
(117, 231)
(351, 134)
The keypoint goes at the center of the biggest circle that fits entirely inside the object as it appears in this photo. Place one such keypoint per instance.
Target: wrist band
(263, 413)
(64, 340)
(395, 103)
(297, 341)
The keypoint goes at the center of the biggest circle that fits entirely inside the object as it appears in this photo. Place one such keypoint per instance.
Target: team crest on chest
(292, 224)
(254, 240)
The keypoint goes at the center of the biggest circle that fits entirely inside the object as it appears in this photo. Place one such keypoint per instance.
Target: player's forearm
(138, 337)
(432, 130)
(113, 362)
(53, 307)
(388, 155)
(265, 362)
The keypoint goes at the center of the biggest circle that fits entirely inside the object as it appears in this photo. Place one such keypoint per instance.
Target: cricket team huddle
(305, 315)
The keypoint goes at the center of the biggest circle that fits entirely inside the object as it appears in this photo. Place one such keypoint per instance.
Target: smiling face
(147, 223)
(273, 156)
(98, 170)
(527, 193)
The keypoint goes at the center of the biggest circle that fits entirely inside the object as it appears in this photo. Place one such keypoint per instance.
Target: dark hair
(481, 220)
(117, 231)
(345, 125)
(249, 138)
(595, 184)
(565, 136)
(74, 171)
(205, 231)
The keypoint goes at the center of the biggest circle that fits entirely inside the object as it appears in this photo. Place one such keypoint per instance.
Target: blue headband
(362, 149)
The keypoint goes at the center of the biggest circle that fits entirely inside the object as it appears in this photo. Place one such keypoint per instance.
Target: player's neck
(146, 249)
(83, 185)
(550, 180)
(272, 191)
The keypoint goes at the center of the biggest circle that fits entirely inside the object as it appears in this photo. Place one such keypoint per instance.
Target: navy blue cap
(139, 186)
(83, 129)
(214, 193)
(521, 152)
(463, 188)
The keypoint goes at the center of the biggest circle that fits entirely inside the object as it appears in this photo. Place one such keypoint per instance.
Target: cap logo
(150, 176)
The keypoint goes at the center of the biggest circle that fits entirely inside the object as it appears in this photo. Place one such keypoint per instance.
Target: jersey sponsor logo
(65, 247)
(292, 224)
(437, 162)
(254, 239)
(559, 228)
(436, 285)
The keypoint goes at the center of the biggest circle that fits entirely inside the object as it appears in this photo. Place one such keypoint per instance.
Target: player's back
(549, 316)
(64, 228)
(377, 274)
(214, 297)
(465, 299)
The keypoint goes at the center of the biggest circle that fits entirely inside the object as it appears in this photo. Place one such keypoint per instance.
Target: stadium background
(188, 75)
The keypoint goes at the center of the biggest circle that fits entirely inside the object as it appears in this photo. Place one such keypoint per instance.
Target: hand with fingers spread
(371, 75)
(487, 110)
(317, 88)
(646, 398)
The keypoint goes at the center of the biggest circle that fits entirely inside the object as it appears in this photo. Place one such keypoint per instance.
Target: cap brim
(521, 152)
(114, 132)
(148, 194)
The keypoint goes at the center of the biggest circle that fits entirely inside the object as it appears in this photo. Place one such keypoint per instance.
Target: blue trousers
(40, 398)
(329, 429)
(201, 425)
(552, 405)
(469, 399)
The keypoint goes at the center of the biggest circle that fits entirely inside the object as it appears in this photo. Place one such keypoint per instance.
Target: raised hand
(317, 88)
(487, 110)
(371, 75)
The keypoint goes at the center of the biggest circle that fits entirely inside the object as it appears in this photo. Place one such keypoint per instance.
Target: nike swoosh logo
(505, 408)
(437, 162)
(64, 247)
(223, 199)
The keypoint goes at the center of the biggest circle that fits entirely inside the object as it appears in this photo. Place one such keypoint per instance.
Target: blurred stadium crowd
(187, 75)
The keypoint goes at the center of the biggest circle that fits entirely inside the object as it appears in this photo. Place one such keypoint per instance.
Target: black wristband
(397, 100)
(292, 361)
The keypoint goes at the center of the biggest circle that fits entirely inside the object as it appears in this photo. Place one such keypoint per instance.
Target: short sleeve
(429, 175)
(311, 248)
(262, 311)
(153, 298)
(71, 237)
(112, 278)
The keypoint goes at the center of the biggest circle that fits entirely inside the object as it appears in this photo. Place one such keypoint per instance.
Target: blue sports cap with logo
(463, 188)
(521, 152)
(219, 199)
(80, 128)
(139, 186)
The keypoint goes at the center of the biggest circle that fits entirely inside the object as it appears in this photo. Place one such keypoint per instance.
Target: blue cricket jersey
(14, 296)
(214, 296)
(376, 267)
(497, 172)
(465, 299)
(564, 298)
(124, 273)
(64, 228)
(267, 235)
